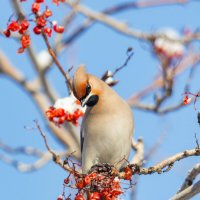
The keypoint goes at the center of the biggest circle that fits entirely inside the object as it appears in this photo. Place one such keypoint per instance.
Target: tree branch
(188, 193)
(138, 157)
(122, 27)
(118, 8)
(134, 101)
(167, 163)
(20, 150)
(193, 173)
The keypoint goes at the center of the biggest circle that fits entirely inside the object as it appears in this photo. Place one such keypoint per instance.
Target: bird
(107, 125)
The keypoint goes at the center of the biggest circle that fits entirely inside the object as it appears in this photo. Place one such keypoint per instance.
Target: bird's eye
(88, 89)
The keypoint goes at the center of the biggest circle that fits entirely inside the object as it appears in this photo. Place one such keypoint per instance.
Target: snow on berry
(65, 109)
(56, 28)
(168, 44)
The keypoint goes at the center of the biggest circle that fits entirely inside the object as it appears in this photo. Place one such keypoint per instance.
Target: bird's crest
(80, 82)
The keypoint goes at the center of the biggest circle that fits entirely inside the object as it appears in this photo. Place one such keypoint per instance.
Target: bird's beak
(89, 100)
(84, 101)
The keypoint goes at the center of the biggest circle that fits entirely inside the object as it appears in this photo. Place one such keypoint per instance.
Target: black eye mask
(92, 101)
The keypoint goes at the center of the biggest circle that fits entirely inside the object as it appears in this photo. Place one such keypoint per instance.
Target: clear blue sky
(100, 48)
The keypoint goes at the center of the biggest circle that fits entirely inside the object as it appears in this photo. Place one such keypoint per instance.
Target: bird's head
(86, 87)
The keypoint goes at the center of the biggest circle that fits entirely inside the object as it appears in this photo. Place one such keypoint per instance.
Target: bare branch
(193, 58)
(20, 150)
(120, 26)
(26, 167)
(164, 165)
(188, 193)
(112, 23)
(192, 174)
(143, 4)
(56, 158)
(23, 167)
(118, 8)
(138, 158)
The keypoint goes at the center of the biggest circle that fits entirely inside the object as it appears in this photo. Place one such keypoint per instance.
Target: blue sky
(100, 48)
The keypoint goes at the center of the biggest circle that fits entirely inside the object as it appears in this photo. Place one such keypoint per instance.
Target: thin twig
(56, 158)
(130, 53)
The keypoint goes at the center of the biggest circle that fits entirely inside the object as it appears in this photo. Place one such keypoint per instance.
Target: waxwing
(107, 125)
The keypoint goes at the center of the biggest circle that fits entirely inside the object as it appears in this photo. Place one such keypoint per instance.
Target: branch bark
(163, 166)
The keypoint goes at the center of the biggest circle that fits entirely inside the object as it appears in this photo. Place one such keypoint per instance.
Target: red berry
(79, 197)
(13, 26)
(78, 102)
(41, 22)
(24, 24)
(20, 50)
(87, 180)
(39, 1)
(25, 41)
(58, 29)
(47, 13)
(80, 184)
(61, 120)
(21, 31)
(35, 7)
(48, 31)
(60, 197)
(7, 33)
(66, 181)
(95, 196)
(68, 117)
(128, 173)
(93, 175)
(37, 30)
(59, 112)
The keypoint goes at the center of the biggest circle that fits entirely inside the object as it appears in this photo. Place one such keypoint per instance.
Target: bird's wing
(82, 139)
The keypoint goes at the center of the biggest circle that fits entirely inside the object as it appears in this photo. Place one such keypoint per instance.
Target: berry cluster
(167, 44)
(101, 183)
(42, 1)
(21, 27)
(41, 20)
(66, 109)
